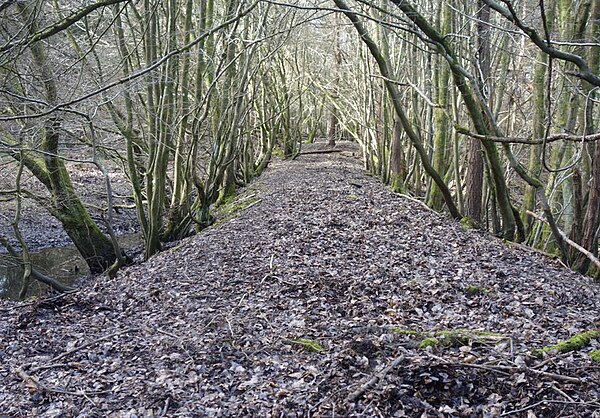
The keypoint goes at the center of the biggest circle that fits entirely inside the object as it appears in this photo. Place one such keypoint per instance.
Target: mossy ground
(429, 342)
(308, 344)
(476, 290)
(449, 338)
(402, 331)
(233, 205)
(468, 223)
(576, 342)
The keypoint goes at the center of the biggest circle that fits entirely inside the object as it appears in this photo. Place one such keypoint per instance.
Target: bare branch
(572, 243)
(135, 75)
(57, 27)
(509, 13)
(527, 141)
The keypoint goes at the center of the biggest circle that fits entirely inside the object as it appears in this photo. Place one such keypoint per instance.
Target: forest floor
(326, 295)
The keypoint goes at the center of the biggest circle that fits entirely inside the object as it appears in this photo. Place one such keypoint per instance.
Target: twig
(33, 385)
(422, 204)
(572, 243)
(39, 301)
(555, 376)
(533, 250)
(162, 331)
(511, 370)
(562, 393)
(526, 408)
(375, 379)
(88, 344)
(252, 204)
(543, 402)
(498, 369)
(55, 366)
(30, 382)
(166, 407)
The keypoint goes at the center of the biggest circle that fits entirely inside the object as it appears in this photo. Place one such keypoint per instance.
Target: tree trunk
(474, 180)
(397, 162)
(592, 215)
(333, 125)
(64, 204)
(386, 72)
(440, 135)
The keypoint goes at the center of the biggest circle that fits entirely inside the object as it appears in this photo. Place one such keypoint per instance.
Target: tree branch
(57, 27)
(510, 14)
(572, 243)
(520, 140)
(137, 74)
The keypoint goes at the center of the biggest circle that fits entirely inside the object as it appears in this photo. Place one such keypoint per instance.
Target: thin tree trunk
(440, 135)
(386, 72)
(592, 215)
(65, 205)
(478, 114)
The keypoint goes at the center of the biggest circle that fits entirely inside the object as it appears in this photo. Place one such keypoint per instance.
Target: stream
(63, 263)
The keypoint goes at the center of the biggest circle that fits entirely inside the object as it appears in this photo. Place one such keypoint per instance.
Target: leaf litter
(313, 301)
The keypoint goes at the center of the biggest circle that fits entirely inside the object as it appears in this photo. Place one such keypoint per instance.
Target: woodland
(342, 207)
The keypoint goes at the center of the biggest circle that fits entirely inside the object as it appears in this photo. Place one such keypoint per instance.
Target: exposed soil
(314, 301)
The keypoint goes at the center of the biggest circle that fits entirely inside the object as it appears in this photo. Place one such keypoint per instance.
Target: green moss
(278, 152)
(226, 200)
(476, 290)
(555, 252)
(576, 342)
(352, 197)
(460, 337)
(429, 342)
(595, 356)
(449, 338)
(397, 184)
(309, 345)
(410, 332)
(233, 205)
(468, 223)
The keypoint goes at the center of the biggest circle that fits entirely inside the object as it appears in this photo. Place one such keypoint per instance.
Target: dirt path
(312, 302)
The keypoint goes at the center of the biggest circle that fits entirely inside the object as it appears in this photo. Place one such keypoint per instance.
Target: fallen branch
(88, 344)
(533, 250)
(39, 301)
(53, 283)
(508, 370)
(252, 204)
(375, 379)
(322, 151)
(545, 402)
(420, 203)
(555, 376)
(34, 386)
(572, 243)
